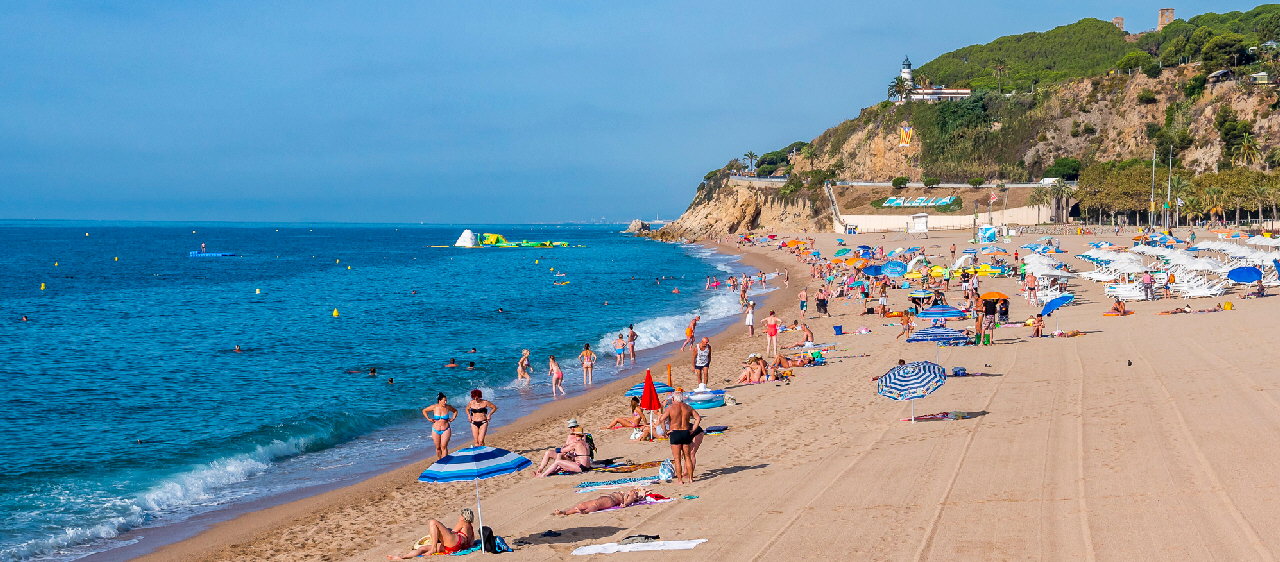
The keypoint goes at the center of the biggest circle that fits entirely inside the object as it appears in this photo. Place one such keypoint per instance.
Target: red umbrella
(649, 398)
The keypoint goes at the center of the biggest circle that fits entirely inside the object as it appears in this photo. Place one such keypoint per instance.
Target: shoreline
(215, 534)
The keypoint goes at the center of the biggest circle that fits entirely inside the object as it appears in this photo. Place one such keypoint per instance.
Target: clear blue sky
(444, 111)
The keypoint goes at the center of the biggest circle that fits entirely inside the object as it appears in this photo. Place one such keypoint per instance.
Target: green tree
(900, 181)
(1039, 198)
(1196, 42)
(1247, 152)
(1146, 97)
(1135, 60)
(1000, 68)
(1179, 188)
(1224, 51)
(751, 158)
(1065, 168)
(977, 182)
(931, 182)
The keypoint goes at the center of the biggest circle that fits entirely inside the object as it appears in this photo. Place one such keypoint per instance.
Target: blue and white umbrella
(661, 387)
(1101, 244)
(911, 381)
(941, 311)
(894, 268)
(993, 250)
(970, 251)
(937, 334)
(474, 464)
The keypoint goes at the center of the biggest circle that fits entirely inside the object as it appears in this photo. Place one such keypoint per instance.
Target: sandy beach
(1136, 440)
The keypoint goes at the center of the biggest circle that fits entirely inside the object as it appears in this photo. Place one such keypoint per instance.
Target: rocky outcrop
(732, 207)
(637, 227)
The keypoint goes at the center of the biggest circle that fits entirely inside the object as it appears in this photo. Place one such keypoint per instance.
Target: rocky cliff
(997, 138)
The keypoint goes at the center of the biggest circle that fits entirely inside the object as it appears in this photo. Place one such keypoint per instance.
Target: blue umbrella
(914, 249)
(1276, 264)
(1030, 246)
(1056, 303)
(872, 270)
(843, 251)
(474, 464)
(865, 247)
(941, 311)
(1245, 274)
(970, 251)
(638, 389)
(937, 334)
(911, 381)
(920, 294)
(989, 250)
(894, 268)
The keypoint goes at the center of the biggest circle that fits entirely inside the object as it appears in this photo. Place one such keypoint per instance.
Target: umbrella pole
(479, 517)
(913, 412)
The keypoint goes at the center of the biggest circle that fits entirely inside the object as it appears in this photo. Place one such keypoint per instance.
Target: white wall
(898, 223)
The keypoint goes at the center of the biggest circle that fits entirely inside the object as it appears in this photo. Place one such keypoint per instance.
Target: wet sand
(1080, 454)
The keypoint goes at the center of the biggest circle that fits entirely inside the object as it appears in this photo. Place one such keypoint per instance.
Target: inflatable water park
(468, 239)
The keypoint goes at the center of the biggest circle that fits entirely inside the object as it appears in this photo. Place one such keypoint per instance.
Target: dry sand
(1081, 455)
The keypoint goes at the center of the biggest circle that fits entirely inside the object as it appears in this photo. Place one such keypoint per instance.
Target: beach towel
(612, 547)
(1126, 313)
(612, 484)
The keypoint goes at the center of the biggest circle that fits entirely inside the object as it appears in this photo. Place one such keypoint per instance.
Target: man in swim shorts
(804, 301)
(684, 421)
(689, 333)
(702, 362)
(631, 342)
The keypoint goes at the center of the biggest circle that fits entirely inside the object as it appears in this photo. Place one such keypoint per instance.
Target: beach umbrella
(872, 270)
(649, 395)
(993, 295)
(914, 249)
(1245, 274)
(894, 268)
(1056, 303)
(994, 251)
(920, 294)
(843, 251)
(941, 311)
(1045, 238)
(896, 251)
(474, 464)
(937, 334)
(658, 388)
(911, 381)
(865, 247)
(1276, 264)
(970, 251)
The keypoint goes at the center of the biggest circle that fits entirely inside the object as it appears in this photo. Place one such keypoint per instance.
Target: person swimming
(373, 371)
(452, 363)
(471, 365)
(473, 350)
(236, 349)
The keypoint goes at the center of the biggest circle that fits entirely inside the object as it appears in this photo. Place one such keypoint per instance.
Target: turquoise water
(124, 406)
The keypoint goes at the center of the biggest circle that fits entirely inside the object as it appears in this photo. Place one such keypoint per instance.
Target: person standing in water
(557, 376)
(441, 415)
(588, 359)
(619, 350)
(632, 336)
(523, 367)
(480, 411)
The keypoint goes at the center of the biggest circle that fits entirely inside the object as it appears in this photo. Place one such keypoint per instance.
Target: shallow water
(124, 405)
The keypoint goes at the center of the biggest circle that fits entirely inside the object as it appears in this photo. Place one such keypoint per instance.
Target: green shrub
(1146, 97)
(955, 205)
(900, 181)
(1088, 129)
(879, 202)
(1065, 168)
(932, 182)
(976, 182)
(1194, 87)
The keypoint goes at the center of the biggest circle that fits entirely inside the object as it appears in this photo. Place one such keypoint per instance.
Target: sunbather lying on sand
(786, 362)
(754, 371)
(443, 540)
(621, 498)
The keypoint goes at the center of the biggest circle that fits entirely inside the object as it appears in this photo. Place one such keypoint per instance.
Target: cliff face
(999, 138)
(727, 207)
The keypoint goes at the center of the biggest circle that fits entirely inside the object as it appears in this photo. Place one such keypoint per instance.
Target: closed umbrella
(649, 394)
(474, 464)
(911, 381)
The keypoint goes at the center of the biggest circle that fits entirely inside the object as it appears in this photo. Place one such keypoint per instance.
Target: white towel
(612, 547)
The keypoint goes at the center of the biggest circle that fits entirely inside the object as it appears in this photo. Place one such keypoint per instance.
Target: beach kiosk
(918, 225)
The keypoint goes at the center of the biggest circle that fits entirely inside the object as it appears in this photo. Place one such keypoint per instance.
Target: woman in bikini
(588, 359)
(480, 411)
(523, 367)
(441, 415)
(621, 498)
(557, 376)
(634, 421)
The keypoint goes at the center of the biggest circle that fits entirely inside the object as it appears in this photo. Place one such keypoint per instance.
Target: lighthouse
(906, 72)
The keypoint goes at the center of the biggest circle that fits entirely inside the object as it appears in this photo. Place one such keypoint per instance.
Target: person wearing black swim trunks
(684, 422)
(480, 411)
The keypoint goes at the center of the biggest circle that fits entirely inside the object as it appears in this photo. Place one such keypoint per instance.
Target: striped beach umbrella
(942, 311)
(911, 381)
(937, 334)
(994, 251)
(970, 251)
(474, 464)
(659, 387)
(920, 294)
(894, 268)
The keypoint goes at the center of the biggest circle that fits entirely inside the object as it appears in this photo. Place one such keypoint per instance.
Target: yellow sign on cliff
(904, 134)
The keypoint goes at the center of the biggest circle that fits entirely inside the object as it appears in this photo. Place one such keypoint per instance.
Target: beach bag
(500, 546)
(488, 544)
(636, 433)
(666, 472)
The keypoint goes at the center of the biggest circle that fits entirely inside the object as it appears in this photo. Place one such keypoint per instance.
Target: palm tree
(899, 89)
(1039, 198)
(1061, 194)
(1257, 193)
(1247, 152)
(1214, 202)
(751, 158)
(1000, 67)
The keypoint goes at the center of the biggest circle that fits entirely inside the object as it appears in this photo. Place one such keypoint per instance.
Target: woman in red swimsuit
(443, 540)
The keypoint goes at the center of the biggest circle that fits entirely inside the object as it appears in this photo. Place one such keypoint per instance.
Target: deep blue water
(123, 406)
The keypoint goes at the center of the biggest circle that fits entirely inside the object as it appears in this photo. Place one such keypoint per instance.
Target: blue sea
(124, 406)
